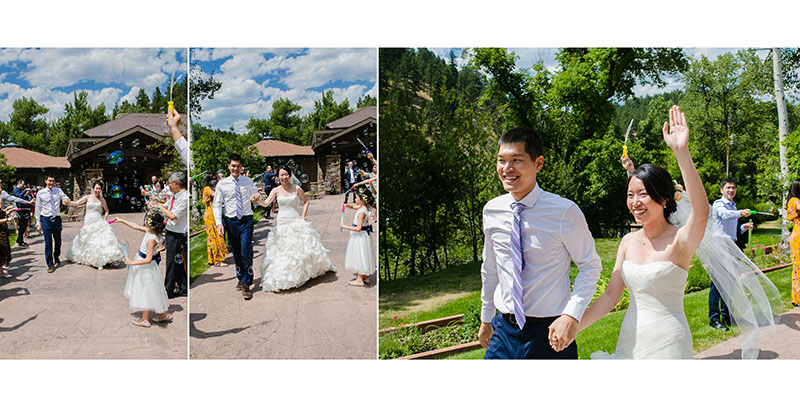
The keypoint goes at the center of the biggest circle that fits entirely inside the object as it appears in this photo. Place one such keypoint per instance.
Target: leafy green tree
(325, 111)
(368, 100)
(29, 128)
(201, 87)
(142, 101)
(78, 116)
(283, 123)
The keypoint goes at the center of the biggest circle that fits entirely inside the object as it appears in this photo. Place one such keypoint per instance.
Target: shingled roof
(275, 148)
(19, 157)
(354, 118)
(155, 122)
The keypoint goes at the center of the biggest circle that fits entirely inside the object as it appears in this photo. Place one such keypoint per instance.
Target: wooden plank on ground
(424, 325)
(444, 352)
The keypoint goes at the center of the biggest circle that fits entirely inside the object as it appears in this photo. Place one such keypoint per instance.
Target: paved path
(78, 312)
(782, 343)
(323, 319)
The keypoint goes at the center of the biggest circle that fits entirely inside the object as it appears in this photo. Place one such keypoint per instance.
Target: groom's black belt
(511, 319)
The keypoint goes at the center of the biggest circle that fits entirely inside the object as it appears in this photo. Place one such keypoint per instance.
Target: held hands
(676, 132)
(485, 333)
(562, 332)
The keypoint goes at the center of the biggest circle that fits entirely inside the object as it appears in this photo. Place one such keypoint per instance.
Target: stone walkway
(781, 343)
(78, 312)
(323, 319)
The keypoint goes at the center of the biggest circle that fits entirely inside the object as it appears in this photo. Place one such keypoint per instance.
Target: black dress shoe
(718, 326)
(23, 244)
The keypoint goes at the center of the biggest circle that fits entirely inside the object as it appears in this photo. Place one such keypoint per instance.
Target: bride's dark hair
(658, 184)
(96, 183)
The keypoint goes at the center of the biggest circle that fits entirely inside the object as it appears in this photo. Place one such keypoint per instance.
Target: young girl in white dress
(144, 288)
(360, 252)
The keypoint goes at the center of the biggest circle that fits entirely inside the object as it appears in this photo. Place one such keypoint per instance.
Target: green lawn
(410, 300)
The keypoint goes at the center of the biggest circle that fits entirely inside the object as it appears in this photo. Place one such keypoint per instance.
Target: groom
(235, 193)
(48, 220)
(530, 236)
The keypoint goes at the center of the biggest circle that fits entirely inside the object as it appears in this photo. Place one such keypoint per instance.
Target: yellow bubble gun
(625, 146)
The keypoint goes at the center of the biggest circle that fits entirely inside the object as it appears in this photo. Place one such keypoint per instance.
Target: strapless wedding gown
(294, 253)
(655, 325)
(96, 244)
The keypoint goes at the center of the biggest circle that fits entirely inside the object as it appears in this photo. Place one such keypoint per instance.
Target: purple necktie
(518, 254)
(239, 210)
(53, 202)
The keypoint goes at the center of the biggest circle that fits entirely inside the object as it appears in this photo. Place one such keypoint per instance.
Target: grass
(457, 289)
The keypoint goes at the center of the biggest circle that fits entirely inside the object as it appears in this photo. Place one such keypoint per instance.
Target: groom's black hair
(527, 136)
(658, 184)
(234, 157)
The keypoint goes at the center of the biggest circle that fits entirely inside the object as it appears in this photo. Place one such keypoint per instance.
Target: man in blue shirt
(726, 216)
(268, 185)
(25, 210)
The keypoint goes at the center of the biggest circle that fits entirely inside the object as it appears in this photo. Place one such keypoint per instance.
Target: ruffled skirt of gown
(95, 245)
(294, 254)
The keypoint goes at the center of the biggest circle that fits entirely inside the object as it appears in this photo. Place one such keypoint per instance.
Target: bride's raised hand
(676, 132)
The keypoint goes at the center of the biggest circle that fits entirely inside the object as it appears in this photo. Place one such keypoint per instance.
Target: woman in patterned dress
(792, 212)
(215, 242)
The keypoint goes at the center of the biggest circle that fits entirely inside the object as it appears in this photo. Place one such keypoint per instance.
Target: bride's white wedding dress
(96, 244)
(294, 253)
(655, 325)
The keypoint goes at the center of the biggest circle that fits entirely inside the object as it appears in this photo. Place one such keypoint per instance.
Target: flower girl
(144, 288)
(360, 253)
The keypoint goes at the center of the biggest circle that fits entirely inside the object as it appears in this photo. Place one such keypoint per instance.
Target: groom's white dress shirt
(225, 195)
(553, 231)
(46, 200)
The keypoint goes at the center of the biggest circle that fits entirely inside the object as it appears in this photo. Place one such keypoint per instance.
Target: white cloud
(242, 97)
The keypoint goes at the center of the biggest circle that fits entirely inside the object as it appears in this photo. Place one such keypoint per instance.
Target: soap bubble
(117, 192)
(116, 157)
(135, 143)
(178, 258)
(304, 178)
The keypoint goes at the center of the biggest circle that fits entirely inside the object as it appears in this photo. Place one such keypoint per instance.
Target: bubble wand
(362, 145)
(340, 228)
(125, 249)
(625, 146)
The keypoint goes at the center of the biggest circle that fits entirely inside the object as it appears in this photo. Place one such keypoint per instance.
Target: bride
(96, 244)
(294, 252)
(653, 263)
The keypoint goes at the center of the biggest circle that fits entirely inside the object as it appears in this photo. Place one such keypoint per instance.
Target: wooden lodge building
(324, 160)
(116, 152)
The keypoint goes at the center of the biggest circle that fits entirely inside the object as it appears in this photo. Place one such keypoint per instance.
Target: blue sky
(252, 79)
(529, 57)
(108, 75)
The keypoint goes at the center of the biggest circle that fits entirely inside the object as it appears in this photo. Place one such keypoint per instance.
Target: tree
(367, 101)
(283, 123)
(325, 111)
(202, 87)
(29, 128)
(142, 101)
(78, 117)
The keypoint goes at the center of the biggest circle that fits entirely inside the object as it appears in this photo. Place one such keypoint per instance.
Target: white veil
(749, 294)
